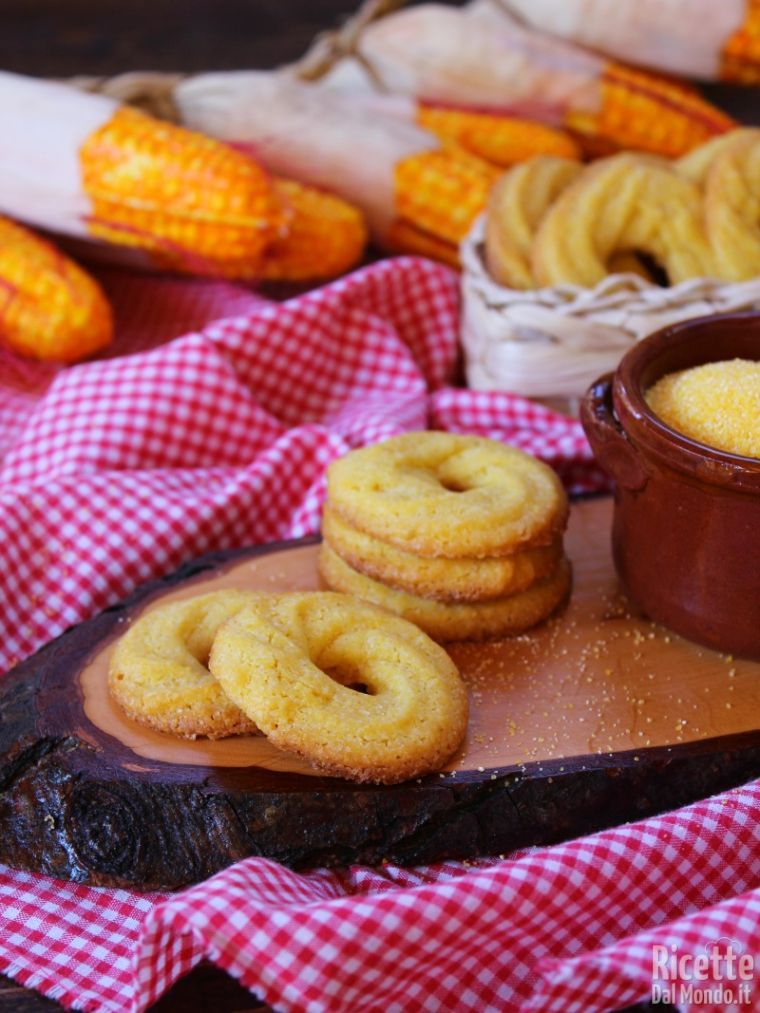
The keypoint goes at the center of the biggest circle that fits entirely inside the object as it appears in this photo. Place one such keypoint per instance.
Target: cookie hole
(348, 678)
(201, 653)
(654, 269)
(450, 485)
(638, 262)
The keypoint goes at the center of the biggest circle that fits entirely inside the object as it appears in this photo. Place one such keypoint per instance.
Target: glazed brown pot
(686, 530)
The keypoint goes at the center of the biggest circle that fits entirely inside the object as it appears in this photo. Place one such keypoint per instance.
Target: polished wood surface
(592, 718)
(596, 679)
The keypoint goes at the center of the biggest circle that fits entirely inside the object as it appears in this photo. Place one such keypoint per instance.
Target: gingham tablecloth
(115, 471)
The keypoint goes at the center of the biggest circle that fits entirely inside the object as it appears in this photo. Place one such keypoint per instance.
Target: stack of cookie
(459, 534)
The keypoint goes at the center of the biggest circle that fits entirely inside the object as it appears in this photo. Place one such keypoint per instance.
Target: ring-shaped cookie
(696, 164)
(441, 494)
(460, 579)
(290, 663)
(732, 208)
(516, 206)
(452, 621)
(626, 203)
(158, 672)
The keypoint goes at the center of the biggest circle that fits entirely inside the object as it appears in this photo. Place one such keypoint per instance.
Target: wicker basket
(551, 343)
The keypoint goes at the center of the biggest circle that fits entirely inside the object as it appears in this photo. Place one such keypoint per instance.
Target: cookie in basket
(628, 202)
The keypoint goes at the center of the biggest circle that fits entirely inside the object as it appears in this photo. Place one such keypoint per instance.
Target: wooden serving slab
(594, 718)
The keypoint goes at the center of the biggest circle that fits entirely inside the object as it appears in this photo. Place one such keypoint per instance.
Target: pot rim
(646, 428)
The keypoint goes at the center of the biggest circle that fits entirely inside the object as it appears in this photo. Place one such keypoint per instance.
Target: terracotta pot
(686, 529)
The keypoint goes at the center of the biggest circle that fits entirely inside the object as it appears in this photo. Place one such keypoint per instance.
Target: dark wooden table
(60, 38)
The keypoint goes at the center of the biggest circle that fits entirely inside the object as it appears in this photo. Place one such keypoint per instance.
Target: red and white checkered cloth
(116, 471)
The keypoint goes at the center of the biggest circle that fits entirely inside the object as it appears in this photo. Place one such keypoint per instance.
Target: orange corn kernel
(194, 203)
(441, 192)
(405, 238)
(326, 235)
(49, 307)
(501, 140)
(740, 58)
(648, 112)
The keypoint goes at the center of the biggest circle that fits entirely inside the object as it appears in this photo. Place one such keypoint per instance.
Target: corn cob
(647, 112)
(326, 236)
(415, 196)
(402, 237)
(697, 38)
(49, 307)
(478, 57)
(194, 204)
(441, 192)
(86, 166)
(670, 36)
(740, 56)
(501, 140)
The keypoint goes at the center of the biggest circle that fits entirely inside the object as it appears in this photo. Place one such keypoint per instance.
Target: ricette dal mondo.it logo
(720, 975)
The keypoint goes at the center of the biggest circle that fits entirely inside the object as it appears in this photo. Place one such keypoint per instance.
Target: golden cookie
(291, 660)
(517, 204)
(732, 208)
(158, 671)
(626, 203)
(445, 579)
(459, 621)
(696, 163)
(439, 494)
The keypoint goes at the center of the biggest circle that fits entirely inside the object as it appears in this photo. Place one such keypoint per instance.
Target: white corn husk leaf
(552, 343)
(342, 143)
(42, 127)
(472, 58)
(676, 36)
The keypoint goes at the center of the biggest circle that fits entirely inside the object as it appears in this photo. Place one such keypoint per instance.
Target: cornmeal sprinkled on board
(717, 404)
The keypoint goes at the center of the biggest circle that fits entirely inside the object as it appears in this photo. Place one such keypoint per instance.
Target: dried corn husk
(337, 142)
(445, 54)
(695, 38)
(416, 194)
(481, 57)
(89, 167)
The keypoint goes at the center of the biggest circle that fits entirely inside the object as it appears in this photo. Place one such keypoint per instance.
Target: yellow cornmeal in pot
(717, 404)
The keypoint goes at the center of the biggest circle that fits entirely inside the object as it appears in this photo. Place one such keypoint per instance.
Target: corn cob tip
(50, 308)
